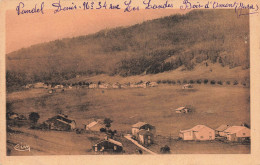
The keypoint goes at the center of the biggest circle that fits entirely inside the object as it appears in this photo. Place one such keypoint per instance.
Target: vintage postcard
(157, 81)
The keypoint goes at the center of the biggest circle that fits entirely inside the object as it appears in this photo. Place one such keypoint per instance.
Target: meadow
(212, 105)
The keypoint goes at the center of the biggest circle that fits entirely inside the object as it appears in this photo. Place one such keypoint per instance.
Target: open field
(213, 106)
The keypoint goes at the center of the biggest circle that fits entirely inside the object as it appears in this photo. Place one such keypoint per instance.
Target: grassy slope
(194, 35)
(214, 105)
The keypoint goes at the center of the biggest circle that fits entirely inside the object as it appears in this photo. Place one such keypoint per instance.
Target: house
(199, 132)
(182, 110)
(116, 85)
(143, 84)
(58, 87)
(237, 133)
(103, 86)
(40, 85)
(61, 122)
(29, 86)
(108, 145)
(92, 86)
(145, 137)
(187, 86)
(220, 130)
(142, 126)
(153, 84)
(95, 125)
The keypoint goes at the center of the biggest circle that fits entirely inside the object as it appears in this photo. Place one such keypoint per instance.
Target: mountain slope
(151, 47)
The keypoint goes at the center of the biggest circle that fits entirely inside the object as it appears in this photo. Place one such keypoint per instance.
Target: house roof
(195, 129)
(111, 141)
(139, 124)
(62, 118)
(180, 108)
(234, 129)
(222, 127)
(143, 132)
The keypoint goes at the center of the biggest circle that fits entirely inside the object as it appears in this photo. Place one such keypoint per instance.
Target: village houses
(199, 132)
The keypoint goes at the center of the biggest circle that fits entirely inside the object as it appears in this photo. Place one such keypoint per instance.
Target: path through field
(138, 145)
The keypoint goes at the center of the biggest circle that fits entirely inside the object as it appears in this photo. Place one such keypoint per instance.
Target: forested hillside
(151, 47)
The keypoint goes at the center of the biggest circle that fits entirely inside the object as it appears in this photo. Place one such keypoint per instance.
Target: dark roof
(222, 127)
(62, 118)
(143, 132)
(111, 141)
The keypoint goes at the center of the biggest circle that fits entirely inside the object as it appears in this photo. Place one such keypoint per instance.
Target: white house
(237, 133)
(187, 86)
(182, 110)
(199, 132)
(142, 126)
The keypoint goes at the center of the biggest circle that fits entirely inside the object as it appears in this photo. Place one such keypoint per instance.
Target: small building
(103, 86)
(40, 85)
(237, 133)
(58, 87)
(116, 85)
(61, 122)
(28, 86)
(182, 110)
(92, 86)
(187, 86)
(108, 145)
(199, 132)
(142, 126)
(145, 137)
(153, 84)
(95, 125)
(220, 130)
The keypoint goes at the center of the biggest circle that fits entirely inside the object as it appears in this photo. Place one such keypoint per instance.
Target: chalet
(153, 84)
(116, 85)
(40, 85)
(237, 133)
(182, 110)
(92, 86)
(220, 130)
(95, 125)
(29, 86)
(199, 132)
(103, 86)
(108, 145)
(142, 126)
(61, 122)
(187, 86)
(59, 87)
(145, 137)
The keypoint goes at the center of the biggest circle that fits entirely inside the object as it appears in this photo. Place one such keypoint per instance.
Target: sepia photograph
(152, 82)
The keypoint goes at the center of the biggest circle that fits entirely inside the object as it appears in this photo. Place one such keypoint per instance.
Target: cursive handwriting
(130, 8)
(246, 9)
(63, 8)
(155, 6)
(21, 5)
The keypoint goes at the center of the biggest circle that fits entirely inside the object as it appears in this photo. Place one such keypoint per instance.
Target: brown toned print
(150, 82)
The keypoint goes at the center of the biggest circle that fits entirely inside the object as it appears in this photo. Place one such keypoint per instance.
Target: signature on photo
(22, 147)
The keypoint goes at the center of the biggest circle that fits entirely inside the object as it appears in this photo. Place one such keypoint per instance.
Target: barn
(108, 145)
(61, 122)
(142, 126)
(199, 132)
(237, 133)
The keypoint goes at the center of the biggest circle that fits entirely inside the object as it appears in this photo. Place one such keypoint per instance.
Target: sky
(25, 30)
